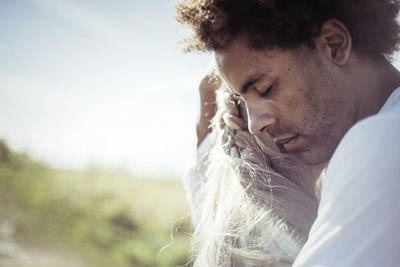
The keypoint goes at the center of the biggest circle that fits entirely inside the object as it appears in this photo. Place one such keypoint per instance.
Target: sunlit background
(97, 103)
(86, 82)
(102, 82)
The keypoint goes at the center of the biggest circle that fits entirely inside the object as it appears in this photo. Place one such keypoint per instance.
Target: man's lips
(288, 142)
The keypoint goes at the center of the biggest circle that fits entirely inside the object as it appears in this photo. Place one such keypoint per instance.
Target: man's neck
(376, 81)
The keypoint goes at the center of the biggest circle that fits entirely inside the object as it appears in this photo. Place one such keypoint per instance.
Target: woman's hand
(208, 107)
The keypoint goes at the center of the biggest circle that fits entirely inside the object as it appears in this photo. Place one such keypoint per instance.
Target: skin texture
(304, 99)
(316, 94)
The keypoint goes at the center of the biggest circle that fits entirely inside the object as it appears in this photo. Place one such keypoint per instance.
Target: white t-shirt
(358, 221)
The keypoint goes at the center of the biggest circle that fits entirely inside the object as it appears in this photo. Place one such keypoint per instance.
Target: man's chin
(312, 159)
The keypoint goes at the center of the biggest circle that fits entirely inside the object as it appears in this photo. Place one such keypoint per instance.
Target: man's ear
(334, 41)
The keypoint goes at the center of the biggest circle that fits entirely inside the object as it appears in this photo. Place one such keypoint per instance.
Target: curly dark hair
(289, 23)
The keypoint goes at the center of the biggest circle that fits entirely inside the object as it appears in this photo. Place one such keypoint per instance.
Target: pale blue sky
(98, 82)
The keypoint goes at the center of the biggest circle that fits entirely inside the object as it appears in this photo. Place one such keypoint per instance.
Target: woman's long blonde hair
(252, 212)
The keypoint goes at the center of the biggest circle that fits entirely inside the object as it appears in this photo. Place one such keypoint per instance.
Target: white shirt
(358, 221)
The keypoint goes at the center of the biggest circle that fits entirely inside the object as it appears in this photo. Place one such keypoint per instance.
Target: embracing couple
(298, 136)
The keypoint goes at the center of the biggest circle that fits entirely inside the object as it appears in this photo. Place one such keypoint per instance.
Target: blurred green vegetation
(107, 217)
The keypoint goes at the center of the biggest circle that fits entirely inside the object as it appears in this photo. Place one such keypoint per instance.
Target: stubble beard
(320, 116)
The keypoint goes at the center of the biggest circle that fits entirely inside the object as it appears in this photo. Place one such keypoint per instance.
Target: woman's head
(253, 212)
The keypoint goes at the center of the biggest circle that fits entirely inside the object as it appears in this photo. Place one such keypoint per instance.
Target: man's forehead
(241, 70)
(223, 72)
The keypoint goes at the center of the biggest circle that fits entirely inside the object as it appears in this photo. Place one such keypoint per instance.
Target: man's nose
(260, 118)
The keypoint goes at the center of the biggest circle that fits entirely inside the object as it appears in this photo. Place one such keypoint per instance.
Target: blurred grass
(108, 217)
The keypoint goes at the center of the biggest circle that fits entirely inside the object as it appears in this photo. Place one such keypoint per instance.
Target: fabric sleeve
(358, 221)
(194, 179)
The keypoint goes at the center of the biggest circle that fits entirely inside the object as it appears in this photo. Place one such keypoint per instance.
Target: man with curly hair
(316, 77)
